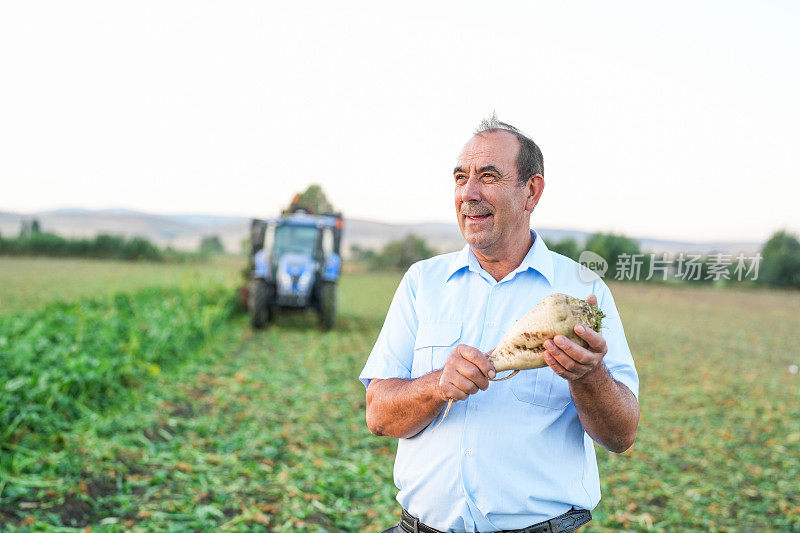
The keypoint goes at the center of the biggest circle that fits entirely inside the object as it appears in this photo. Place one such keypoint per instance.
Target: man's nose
(471, 189)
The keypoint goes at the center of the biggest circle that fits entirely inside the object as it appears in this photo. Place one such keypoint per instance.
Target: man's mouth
(478, 217)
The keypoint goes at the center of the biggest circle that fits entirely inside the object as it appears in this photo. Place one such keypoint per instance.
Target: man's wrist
(598, 376)
(430, 384)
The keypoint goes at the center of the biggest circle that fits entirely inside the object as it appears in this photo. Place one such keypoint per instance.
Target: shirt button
(473, 407)
(468, 452)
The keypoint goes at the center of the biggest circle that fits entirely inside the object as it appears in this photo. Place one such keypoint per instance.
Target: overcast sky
(672, 120)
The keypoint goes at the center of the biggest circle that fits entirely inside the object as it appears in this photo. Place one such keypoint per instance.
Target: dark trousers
(398, 529)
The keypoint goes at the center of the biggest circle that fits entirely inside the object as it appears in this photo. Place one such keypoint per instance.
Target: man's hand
(465, 372)
(572, 361)
(607, 409)
(401, 408)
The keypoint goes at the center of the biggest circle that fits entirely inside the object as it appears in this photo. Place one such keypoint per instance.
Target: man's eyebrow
(487, 168)
(490, 168)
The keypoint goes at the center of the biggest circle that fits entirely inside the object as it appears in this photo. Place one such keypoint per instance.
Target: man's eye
(461, 179)
(489, 177)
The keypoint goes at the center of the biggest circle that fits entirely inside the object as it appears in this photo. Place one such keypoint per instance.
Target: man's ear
(535, 188)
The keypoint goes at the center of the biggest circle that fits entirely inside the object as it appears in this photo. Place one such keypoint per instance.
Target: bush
(211, 245)
(358, 253)
(402, 254)
(781, 260)
(619, 251)
(139, 248)
(568, 247)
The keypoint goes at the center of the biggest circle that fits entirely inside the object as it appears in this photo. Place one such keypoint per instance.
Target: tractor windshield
(295, 239)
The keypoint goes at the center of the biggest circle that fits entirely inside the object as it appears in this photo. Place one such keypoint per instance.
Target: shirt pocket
(541, 387)
(434, 343)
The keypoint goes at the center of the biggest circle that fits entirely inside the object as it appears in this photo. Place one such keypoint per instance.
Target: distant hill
(184, 232)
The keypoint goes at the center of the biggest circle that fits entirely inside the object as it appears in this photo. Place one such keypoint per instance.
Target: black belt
(569, 521)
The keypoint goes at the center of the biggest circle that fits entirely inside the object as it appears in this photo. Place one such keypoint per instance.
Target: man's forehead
(497, 146)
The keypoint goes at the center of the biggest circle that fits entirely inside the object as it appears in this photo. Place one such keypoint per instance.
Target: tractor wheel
(327, 305)
(259, 303)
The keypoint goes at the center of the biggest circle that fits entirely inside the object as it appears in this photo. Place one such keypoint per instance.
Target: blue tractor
(294, 263)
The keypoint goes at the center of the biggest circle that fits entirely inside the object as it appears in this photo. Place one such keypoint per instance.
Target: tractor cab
(294, 263)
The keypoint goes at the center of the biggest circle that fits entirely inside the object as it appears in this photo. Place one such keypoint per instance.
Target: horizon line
(66, 210)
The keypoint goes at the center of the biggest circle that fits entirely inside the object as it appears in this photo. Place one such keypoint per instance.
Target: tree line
(31, 240)
(776, 264)
(101, 246)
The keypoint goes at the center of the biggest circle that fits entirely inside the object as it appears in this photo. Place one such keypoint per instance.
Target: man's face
(493, 209)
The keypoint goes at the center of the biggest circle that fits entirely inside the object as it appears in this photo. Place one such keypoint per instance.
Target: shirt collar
(538, 258)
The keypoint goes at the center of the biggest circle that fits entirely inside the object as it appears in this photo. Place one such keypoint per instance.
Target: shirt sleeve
(392, 355)
(618, 360)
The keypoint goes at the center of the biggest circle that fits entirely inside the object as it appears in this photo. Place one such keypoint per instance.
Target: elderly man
(514, 455)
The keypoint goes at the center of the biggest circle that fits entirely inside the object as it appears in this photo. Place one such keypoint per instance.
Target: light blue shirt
(515, 454)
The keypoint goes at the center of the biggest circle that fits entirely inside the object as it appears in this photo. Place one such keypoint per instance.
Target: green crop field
(264, 431)
(30, 282)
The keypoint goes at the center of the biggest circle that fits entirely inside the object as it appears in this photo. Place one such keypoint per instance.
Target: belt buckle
(569, 521)
(411, 518)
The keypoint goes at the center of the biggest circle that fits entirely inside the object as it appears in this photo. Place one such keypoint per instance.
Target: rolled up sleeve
(392, 355)
(618, 360)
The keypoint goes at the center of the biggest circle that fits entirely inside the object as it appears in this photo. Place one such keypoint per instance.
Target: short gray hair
(529, 160)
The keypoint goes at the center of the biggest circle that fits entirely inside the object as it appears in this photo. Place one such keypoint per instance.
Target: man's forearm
(401, 408)
(607, 409)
